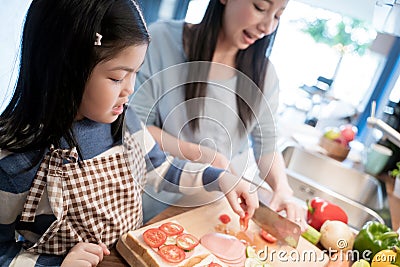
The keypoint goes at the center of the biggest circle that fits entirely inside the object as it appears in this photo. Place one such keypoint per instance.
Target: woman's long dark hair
(57, 57)
(200, 42)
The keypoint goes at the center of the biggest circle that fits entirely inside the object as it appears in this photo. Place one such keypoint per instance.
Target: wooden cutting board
(204, 220)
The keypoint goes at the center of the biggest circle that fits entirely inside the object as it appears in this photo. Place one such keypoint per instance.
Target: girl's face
(246, 21)
(110, 85)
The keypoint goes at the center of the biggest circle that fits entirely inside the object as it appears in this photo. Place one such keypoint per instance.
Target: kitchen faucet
(376, 123)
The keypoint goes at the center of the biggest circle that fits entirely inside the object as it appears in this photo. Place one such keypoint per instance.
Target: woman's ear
(223, 2)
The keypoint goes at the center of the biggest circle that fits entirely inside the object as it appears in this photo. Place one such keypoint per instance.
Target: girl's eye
(115, 80)
(258, 8)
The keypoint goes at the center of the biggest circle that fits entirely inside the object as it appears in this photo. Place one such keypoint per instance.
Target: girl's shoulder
(17, 170)
(4, 153)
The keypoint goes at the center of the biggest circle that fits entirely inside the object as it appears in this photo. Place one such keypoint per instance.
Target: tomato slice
(214, 264)
(224, 218)
(171, 228)
(171, 253)
(154, 237)
(267, 236)
(244, 222)
(186, 241)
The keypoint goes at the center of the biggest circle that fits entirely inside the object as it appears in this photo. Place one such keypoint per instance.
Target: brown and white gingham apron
(95, 200)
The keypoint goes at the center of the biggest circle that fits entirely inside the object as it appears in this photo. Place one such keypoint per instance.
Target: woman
(186, 102)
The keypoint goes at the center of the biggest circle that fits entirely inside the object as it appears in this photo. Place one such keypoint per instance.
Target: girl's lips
(118, 110)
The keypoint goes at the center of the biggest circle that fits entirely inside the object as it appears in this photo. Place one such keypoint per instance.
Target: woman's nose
(267, 25)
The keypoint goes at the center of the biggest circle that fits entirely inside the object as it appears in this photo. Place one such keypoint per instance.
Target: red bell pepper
(320, 210)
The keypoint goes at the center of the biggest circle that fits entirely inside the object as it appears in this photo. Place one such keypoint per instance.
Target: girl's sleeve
(12, 254)
(11, 250)
(13, 191)
(165, 172)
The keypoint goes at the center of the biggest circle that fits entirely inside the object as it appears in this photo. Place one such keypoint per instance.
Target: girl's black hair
(57, 57)
(200, 42)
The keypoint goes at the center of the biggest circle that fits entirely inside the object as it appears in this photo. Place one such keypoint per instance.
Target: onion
(336, 235)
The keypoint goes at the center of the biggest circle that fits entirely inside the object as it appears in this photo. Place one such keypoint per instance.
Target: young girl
(70, 185)
(211, 85)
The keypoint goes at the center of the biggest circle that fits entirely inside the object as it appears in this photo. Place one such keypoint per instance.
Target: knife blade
(286, 231)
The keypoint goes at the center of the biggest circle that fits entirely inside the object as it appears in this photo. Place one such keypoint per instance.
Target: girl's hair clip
(98, 39)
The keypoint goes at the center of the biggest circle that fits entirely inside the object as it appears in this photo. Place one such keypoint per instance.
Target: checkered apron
(95, 200)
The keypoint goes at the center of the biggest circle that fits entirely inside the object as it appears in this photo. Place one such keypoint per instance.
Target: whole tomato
(348, 132)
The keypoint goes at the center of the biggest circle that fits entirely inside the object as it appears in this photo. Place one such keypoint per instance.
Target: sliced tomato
(171, 253)
(154, 237)
(171, 228)
(186, 241)
(224, 218)
(267, 236)
(213, 264)
(244, 222)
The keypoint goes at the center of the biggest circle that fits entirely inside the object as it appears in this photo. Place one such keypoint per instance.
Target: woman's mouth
(248, 38)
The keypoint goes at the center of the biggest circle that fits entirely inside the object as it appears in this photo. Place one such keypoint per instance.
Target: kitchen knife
(286, 231)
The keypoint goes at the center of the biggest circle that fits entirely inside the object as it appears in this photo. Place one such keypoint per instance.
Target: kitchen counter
(309, 136)
(116, 260)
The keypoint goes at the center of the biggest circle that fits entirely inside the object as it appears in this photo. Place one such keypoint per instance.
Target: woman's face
(110, 85)
(246, 21)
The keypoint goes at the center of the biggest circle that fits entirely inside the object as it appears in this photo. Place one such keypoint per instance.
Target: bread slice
(149, 257)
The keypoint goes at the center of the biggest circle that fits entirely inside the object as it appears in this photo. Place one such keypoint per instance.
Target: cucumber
(251, 252)
(312, 235)
(253, 262)
(252, 259)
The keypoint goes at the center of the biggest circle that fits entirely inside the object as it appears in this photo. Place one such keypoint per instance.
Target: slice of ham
(227, 248)
(236, 263)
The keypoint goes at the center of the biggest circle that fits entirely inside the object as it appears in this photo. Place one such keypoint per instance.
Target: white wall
(361, 9)
(12, 13)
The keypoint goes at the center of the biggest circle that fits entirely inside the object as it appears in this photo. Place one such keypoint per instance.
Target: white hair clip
(98, 39)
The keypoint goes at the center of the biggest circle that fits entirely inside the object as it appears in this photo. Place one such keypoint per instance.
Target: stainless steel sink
(305, 188)
(324, 173)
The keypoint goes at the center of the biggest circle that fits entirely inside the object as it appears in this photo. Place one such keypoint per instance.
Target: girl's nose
(128, 88)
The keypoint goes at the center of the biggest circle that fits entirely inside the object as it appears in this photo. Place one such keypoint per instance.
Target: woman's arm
(189, 151)
(272, 169)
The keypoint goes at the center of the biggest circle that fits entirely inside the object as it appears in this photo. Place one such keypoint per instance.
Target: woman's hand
(294, 212)
(237, 191)
(85, 255)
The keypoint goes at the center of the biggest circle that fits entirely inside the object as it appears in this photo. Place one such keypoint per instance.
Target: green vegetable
(251, 252)
(252, 259)
(375, 236)
(396, 171)
(252, 262)
(312, 235)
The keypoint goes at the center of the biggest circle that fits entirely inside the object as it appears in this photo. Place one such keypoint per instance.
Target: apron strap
(51, 163)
